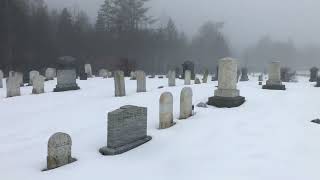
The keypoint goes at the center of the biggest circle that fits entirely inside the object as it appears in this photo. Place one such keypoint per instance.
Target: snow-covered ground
(269, 137)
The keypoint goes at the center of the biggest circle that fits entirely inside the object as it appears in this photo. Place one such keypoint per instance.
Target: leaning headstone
(186, 103)
(50, 74)
(13, 86)
(66, 74)
(197, 81)
(88, 70)
(205, 76)
(274, 82)
(172, 78)
(133, 76)
(188, 65)
(244, 74)
(187, 77)
(141, 81)
(127, 129)
(32, 74)
(59, 151)
(313, 74)
(227, 94)
(103, 73)
(166, 110)
(119, 84)
(38, 85)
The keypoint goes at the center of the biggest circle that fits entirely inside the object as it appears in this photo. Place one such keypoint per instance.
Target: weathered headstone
(197, 81)
(172, 78)
(88, 70)
(166, 110)
(187, 77)
(127, 129)
(13, 86)
(188, 65)
(119, 84)
(38, 84)
(32, 74)
(141, 81)
(59, 151)
(103, 73)
(227, 94)
(50, 73)
(205, 76)
(313, 74)
(274, 82)
(133, 76)
(244, 74)
(66, 75)
(186, 103)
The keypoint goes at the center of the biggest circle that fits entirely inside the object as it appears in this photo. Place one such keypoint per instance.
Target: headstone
(227, 94)
(19, 76)
(313, 74)
(133, 76)
(260, 77)
(119, 84)
(318, 82)
(32, 74)
(244, 74)
(83, 76)
(186, 103)
(1, 74)
(88, 70)
(187, 77)
(38, 84)
(127, 129)
(274, 82)
(172, 78)
(205, 76)
(103, 73)
(13, 86)
(188, 65)
(66, 74)
(59, 151)
(1, 82)
(141, 81)
(166, 110)
(285, 74)
(50, 73)
(197, 81)
(202, 105)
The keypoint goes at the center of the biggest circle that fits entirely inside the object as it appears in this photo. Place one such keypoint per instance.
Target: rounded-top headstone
(186, 103)
(38, 84)
(166, 110)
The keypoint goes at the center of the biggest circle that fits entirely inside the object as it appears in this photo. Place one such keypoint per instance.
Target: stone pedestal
(66, 75)
(274, 82)
(227, 94)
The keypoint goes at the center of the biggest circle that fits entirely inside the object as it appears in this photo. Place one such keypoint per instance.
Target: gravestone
(274, 82)
(171, 78)
(187, 77)
(227, 94)
(1, 82)
(59, 151)
(188, 65)
(313, 74)
(38, 84)
(1, 74)
(110, 74)
(119, 84)
(83, 76)
(205, 76)
(197, 81)
(244, 74)
(166, 110)
(127, 129)
(103, 73)
(318, 82)
(50, 74)
(88, 70)
(13, 86)
(19, 76)
(66, 74)
(285, 74)
(186, 103)
(141, 81)
(32, 74)
(260, 77)
(133, 76)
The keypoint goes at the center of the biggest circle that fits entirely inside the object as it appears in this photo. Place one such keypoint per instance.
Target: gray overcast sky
(246, 20)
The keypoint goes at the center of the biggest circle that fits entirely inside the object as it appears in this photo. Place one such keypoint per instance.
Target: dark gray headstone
(66, 74)
(127, 129)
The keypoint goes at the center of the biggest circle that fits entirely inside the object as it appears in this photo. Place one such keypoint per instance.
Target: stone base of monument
(226, 102)
(66, 88)
(274, 87)
(110, 151)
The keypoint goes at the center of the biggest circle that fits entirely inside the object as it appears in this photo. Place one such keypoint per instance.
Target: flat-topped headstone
(13, 86)
(103, 73)
(127, 129)
(88, 70)
(119, 84)
(274, 81)
(171, 78)
(59, 151)
(50, 73)
(188, 65)
(313, 74)
(66, 74)
(227, 94)
(187, 77)
(244, 74)
(32, 74)
(38, 84)
(205, 76)
(141, 81)
(166, 110)
(186, 103)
